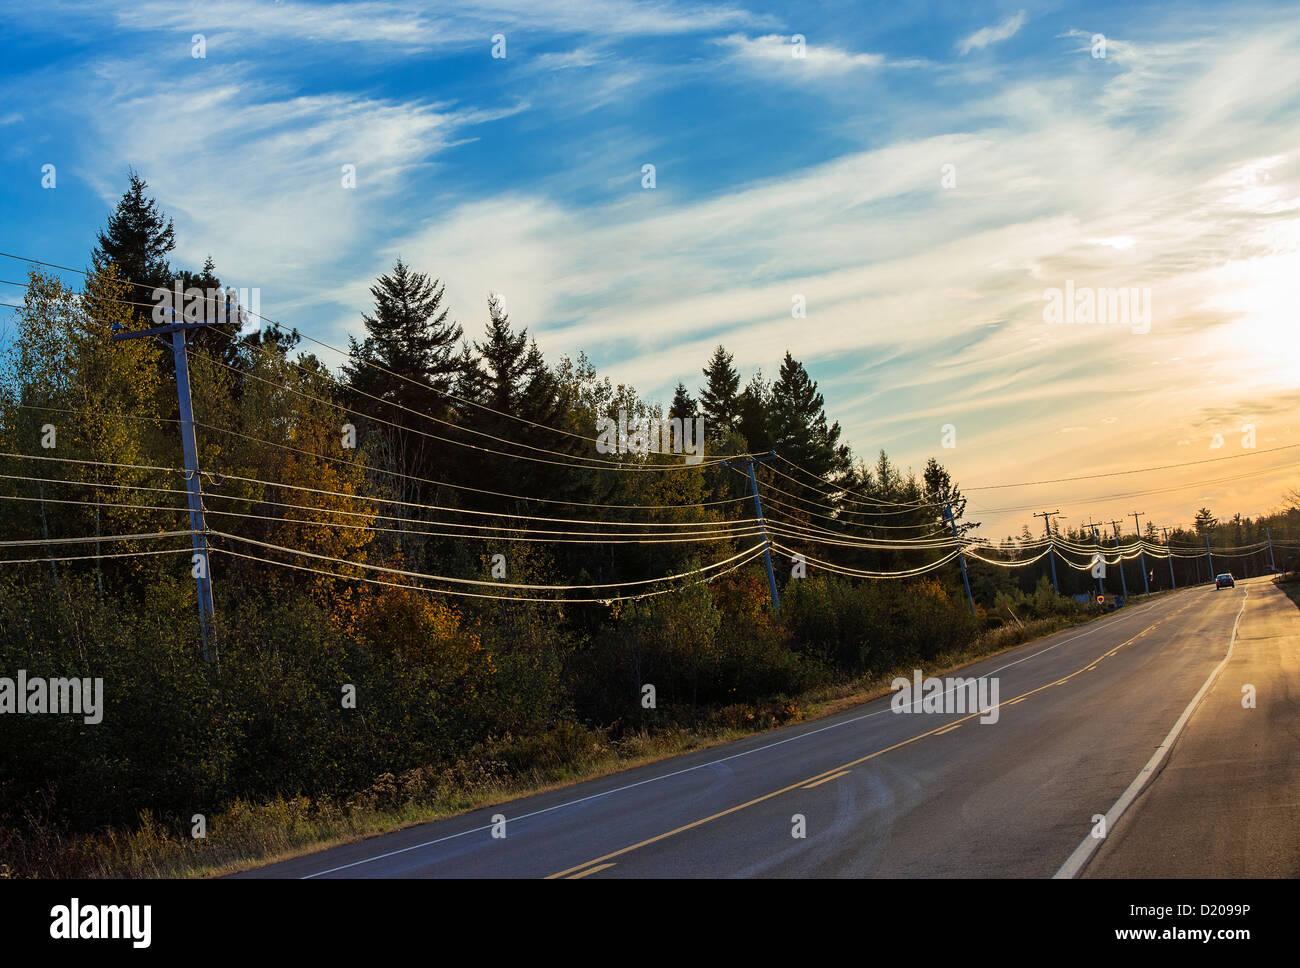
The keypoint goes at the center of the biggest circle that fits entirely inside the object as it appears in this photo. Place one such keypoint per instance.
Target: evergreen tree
(1205, 521)
(407, 358)
(510, 372)
(225, 306)
(683, 405)
(719, 398)
(137, 241)
(939, 489)
(509, 378)
(798, 426)
(754, 406)
(411, 337)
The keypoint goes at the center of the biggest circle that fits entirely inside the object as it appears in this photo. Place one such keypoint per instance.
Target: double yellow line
(581, 870)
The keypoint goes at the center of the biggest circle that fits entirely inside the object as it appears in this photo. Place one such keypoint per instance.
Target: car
(1224, 581)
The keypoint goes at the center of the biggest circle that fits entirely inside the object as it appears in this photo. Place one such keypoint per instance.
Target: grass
(246, 835)
(1290, 584)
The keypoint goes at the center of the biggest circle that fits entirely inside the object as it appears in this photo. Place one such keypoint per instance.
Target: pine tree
(224, 306)
(754, 408)
(408, 359)
(719, 398)
(138, 239)
(798, 425)
(510, 368)
(683, 405)
(939, 489)
(510, 379)
(411, 337)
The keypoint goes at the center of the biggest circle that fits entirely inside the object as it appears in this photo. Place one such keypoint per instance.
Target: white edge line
(1083, 853)
(1096, 626)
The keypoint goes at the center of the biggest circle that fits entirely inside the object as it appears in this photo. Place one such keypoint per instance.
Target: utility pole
(1101, 585)
(947, 516)
(1137, 529)
(1271, 566)
(1169, 548)
(198, 525)
(762, 525)
(1120, 556)
(1209, 557)
(1051, 543)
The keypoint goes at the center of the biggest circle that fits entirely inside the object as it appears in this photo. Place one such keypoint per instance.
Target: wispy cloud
(992, 35)
(783, 55)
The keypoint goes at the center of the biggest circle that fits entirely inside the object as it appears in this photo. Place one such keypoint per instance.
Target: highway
(1136, 717)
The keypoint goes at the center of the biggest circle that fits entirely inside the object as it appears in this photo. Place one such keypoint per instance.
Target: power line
(405, 573)
(222, 476)
(607, 600)
(123, 554)
(463, 487)
(518, 535)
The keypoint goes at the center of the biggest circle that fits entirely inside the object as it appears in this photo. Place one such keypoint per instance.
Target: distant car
(1224, 581)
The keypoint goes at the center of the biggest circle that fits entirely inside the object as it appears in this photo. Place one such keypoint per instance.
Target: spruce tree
(411, 337)
(753, 408)
(719, 398)
(137, 241)
(683, 405)
(509, 378)
(407, 358)
(939, 489)
(798, 425)
(510, 369)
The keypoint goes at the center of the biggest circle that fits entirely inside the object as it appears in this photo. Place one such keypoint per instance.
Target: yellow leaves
(420, 628)
(929, 588)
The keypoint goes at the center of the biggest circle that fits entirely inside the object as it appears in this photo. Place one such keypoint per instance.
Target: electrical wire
(123, 554)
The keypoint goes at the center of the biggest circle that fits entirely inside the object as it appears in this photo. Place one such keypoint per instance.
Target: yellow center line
(837, 769)
(949, 729)
(826, 779)
(590, 870)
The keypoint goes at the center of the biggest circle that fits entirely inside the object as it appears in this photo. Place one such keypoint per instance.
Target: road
(932, 794)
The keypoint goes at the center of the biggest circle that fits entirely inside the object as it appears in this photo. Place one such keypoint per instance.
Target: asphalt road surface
(1137, 717)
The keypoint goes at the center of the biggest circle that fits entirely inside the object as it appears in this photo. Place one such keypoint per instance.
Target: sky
(918, 177)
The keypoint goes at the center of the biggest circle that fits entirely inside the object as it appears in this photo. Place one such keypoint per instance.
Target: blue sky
(1170, 164)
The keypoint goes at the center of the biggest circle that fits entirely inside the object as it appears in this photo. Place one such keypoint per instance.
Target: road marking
(826, 779)
(1103, 623)
(826, 773)
(1083, 853)
(949, 729)
(589, 870)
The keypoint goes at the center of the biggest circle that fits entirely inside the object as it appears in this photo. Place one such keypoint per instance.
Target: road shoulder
(1227, 801)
